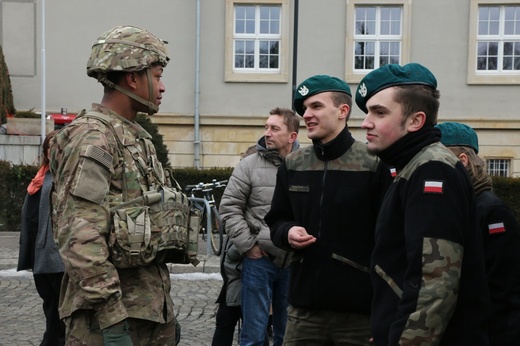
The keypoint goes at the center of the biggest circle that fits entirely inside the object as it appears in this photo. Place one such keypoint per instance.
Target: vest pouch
(172, 217)
(133, 241)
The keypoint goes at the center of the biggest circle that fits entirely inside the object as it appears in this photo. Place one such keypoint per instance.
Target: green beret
(316, 85)
(392, 75)
(458, 135)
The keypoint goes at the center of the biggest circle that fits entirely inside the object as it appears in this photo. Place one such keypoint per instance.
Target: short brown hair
(289, 118)
(339, 98)
(417, 98)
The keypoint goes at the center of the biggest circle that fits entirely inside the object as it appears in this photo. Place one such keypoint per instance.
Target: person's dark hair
(45, 147)
(342, 98)
(417, 98)
(289, 118)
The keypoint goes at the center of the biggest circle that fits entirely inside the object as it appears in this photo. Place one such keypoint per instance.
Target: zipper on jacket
(325, 166)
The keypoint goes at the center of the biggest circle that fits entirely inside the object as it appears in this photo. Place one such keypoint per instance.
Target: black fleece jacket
(333, 191)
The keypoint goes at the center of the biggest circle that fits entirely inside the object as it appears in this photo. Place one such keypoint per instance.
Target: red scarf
(37, 182)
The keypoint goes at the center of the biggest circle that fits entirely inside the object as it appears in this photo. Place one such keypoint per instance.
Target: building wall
(232, 113)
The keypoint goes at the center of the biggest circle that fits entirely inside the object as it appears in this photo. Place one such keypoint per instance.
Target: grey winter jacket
(247, 199)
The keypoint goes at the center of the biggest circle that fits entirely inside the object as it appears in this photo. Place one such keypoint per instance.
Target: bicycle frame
(207, 206)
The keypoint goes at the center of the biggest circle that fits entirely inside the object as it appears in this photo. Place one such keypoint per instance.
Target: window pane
(269, 19)
(364, 55)
(512, 20)
(244, 19)
(390, 21)
(250, 61)
(274, 61)
(488, 20)
(365, 20)
(498, 167)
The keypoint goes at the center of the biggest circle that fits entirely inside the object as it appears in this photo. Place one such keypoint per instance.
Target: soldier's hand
(299, 238)
(117, 335)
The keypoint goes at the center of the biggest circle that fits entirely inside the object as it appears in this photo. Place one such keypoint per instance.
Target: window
(498, 167)
(256, 41)
(494, 49)
(377, 35)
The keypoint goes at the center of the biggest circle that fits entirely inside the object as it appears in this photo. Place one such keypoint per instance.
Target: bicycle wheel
(216, 232)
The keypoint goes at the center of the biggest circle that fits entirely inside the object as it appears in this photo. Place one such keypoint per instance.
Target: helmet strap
(152, 107)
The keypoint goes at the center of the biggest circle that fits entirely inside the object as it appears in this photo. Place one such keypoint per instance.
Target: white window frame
(487, 77)
(355, 76)
(504, 160)
(279, 75)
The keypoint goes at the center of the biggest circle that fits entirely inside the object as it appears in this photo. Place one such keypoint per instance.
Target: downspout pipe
(295, 51)
(43, 77)
(196, 141)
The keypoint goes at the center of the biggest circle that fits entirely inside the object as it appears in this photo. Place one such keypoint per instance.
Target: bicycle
(210, 220)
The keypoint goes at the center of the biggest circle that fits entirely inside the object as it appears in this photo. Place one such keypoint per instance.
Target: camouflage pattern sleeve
(437, 297)
(82, 161)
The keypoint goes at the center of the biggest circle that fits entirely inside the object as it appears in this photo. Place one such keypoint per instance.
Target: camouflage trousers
(82, 329)
(321, 327)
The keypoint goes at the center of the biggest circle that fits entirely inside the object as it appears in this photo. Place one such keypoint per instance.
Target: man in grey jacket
(246, 200)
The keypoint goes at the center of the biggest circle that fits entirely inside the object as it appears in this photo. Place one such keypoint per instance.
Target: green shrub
(31, 114)
(14, 180)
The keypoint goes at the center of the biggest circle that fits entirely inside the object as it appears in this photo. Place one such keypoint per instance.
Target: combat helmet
(127, 49)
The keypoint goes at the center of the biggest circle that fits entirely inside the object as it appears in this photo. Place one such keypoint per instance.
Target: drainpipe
(196, 141)
(295, 49)
(44, 106)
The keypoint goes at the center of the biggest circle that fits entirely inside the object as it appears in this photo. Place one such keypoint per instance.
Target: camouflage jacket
(90, 171)
(331, 190)
(427, 266)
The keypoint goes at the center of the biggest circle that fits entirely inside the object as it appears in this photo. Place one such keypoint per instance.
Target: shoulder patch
(99, 155)
(495, 228)
(432, 186)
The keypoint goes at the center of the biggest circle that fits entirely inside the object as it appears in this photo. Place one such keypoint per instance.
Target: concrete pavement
(194, 291)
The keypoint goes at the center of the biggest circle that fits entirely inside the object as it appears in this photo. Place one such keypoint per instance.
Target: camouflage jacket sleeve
(83, 164)
(433, 224)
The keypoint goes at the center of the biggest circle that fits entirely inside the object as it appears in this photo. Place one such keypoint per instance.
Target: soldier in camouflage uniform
(428, 265)
(324, 209)
(99, 161)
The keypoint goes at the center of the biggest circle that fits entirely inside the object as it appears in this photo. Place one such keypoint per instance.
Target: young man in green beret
(427, 266)
(500, 233)
(324, 211)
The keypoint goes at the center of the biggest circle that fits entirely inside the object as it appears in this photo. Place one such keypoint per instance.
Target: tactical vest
(160, 225)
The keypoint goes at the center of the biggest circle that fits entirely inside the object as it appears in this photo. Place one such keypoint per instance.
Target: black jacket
(332, 191)
(501, 235)
(428, 266)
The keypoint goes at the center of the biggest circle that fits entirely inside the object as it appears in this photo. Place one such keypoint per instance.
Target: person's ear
(292, 137)
(344, 109)
(131, 79)
(464, 159)
(415, 122)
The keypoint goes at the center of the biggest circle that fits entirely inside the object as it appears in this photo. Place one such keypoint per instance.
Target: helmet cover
(127, 49)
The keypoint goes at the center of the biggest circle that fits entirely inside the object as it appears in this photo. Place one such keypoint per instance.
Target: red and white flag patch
(393, 172)
(495, 228)
(431, 186)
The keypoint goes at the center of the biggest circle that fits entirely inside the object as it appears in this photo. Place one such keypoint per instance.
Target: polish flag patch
(431, 186)
(393, 172)
(495, 228)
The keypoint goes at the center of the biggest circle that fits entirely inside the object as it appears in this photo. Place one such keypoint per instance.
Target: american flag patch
(393, 172)
(496, 228)
(433, 186)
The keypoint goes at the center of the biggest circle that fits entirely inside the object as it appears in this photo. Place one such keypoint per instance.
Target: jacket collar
(335, 148)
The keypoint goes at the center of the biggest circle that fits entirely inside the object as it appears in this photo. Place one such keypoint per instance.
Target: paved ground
(194, 291)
